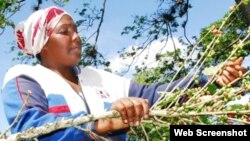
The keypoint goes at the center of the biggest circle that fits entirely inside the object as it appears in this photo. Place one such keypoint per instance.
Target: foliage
(200, 106)
(92, 57)
(163, 22)
(160, 25)
(226, 33)
(10, 7)
(246, 2)
(161, 73)
(222, 41)
(7, 9)
(89, 17)
(233, 32)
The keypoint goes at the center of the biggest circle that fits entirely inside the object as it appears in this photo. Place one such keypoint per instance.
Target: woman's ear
(43, 52)
(45, 48)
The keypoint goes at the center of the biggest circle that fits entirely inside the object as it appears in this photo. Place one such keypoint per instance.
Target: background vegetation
(224, 39)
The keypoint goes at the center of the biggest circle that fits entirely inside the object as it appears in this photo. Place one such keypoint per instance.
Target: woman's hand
(131, 109)
(232, 71)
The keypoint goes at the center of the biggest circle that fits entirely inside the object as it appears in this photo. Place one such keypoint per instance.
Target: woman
(60, 90)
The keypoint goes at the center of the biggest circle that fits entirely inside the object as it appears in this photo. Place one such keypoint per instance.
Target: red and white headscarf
(34, 33)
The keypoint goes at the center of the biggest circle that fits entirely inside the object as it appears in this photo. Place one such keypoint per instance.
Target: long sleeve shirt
(52, 99)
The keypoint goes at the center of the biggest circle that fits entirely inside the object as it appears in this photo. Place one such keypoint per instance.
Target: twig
(88, 131)
(19, 112)
(50, 127)
(164, 113)
(145, 133)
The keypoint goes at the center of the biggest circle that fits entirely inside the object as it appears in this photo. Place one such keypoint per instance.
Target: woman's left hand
(132, 109)
(231, 71)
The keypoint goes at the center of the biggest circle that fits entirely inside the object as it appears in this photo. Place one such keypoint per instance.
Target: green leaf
(235, 107)
(204, 119)
(212, 88)
(156, 139)
(246, 2)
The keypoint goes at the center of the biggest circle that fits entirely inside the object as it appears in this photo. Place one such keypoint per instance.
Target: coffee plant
(209, 104)
(206, 105)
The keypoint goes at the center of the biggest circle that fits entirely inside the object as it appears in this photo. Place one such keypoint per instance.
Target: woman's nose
(76, 38)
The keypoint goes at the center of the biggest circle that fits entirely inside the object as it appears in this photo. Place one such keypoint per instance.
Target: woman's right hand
(131, 109)
(231, 71)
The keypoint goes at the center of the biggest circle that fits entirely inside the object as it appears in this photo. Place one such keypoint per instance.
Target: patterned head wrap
(34, 33)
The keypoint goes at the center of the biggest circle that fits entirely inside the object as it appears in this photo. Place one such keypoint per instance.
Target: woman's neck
(67, 73)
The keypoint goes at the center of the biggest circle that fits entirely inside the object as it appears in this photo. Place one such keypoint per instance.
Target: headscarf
(33, 33)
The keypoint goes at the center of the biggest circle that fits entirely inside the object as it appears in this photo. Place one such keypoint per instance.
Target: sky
(118, 14)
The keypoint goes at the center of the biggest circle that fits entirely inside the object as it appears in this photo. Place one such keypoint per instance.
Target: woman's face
(64, 44)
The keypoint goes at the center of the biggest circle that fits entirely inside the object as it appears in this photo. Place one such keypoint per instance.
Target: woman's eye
(63, 31)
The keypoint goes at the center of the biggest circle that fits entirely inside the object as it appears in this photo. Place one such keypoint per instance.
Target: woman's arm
(150, 92)
(37, 112)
